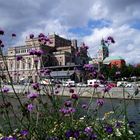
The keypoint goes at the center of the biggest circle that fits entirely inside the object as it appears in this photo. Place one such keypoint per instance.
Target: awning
(61, 74)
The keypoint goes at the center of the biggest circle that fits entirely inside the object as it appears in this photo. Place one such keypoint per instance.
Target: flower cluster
(89, 67)
(67, 111)
(18, 58)
(54, 117)
(36, 52)
(36, 86)
(5, 89)
(108, 41)
(32, 95)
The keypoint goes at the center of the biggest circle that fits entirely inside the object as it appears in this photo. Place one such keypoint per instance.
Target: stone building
(58, 55)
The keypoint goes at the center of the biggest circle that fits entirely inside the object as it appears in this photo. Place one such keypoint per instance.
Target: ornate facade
(60, 52)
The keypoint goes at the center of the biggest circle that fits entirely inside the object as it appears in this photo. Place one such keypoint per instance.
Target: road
(116, 92)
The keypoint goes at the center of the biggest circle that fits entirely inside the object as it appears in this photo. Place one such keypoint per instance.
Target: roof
(111, 58)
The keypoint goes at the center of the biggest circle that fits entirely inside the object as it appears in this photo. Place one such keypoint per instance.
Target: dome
(111, 58)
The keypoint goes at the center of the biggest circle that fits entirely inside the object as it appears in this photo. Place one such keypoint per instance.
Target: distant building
(59, 56)
(116, 61)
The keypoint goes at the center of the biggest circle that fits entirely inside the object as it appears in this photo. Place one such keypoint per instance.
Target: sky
(87, 21)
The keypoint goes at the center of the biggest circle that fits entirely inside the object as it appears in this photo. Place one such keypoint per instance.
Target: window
(17, 65)
(23, 65)
(29, 65)
(17, 51)
(23, 51)
(11, 66)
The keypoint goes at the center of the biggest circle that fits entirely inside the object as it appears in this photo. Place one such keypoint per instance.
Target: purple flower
(108, 129)
(35, 86)
(58, 86)
(103, 82)
(118, 124)
(71, 90)
(71, 110)
(77, 53)
(1, 32)
(0, 42)
(111, 39)
(47, 72)
(47, 39)
(56, 91)
(39, 39)
(68, 103)
(89, 67)
(67, 111)
(32, 52)
(42, 71)
(2, 45)
(68, 134)
(107, 88)
(131, 124)
(88, 130)
(93, 136)
(38, 53)
(101, 77)
(74, 96)
(18, 58)
(35, 60)
(13, 35)
(32, 95)
(71, 133)
(84, 106)
(9, 138)
(76, 134)
(5, 89)
(31, 36)
(30, 107)
(100, 102)
(41, 35)
(24, 132)
(50, 42)
(95, 85)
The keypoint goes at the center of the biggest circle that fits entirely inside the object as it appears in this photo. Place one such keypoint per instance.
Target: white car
(128, 85)
(81, 85)
(69, 83)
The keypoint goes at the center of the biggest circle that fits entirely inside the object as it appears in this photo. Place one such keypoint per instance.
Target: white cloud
(127, 42)
(27, 16)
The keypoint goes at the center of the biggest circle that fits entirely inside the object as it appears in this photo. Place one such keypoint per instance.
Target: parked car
(113, 84)
(69, 83)
(45, 82)
(101, 85)
(122, 83)
(81, 85)
(128, 85)
(92, 82)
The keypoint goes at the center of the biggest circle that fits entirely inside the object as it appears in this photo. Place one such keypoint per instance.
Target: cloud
(127, 42)
(119, 12)
(87, 21)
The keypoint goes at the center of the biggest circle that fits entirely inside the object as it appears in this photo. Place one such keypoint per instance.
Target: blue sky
(87, 21)
(87, 30)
